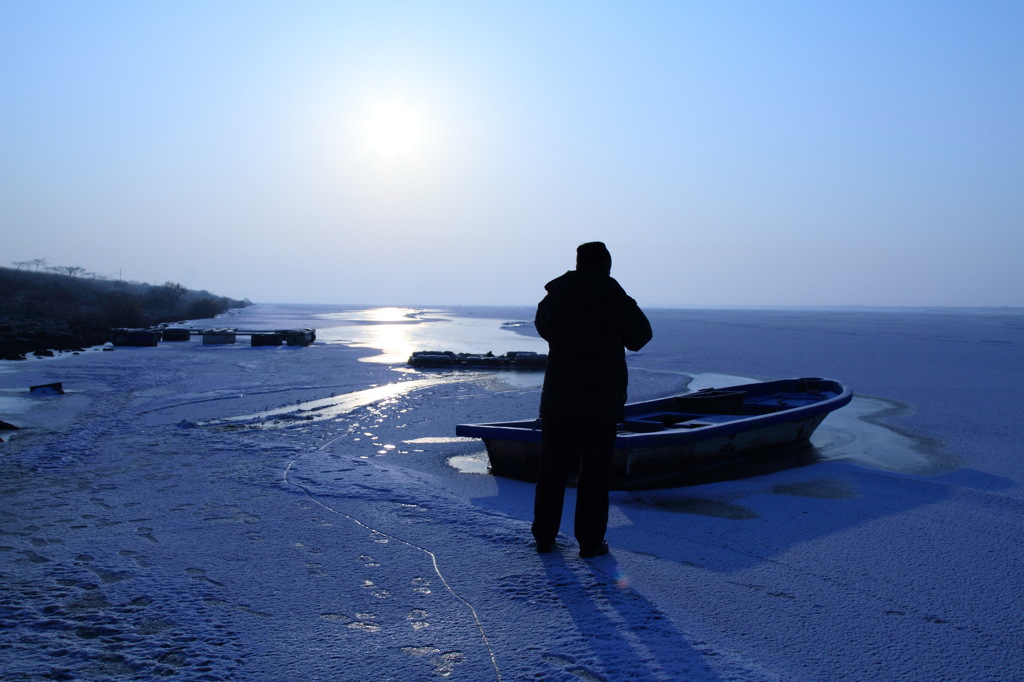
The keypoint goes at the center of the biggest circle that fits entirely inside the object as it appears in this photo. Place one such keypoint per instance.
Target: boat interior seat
(649, 423)
(711, 402)
(781, 401)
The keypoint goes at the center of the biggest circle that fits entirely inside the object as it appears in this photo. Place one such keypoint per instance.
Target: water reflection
(380, 315)
(388, 395)
(398, 332)
(327, 408)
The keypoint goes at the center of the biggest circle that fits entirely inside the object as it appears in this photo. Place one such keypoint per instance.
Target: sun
(395, 129)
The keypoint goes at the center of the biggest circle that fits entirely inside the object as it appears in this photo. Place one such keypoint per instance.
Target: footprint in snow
(375, 591)
(316, 569)
(200, 575)
(147, 533)
(568, 663)
(444, 662)
(365, 621)
(417, 619)
(335, 617)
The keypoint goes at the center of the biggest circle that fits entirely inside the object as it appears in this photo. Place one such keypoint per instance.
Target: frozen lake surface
(228, 512)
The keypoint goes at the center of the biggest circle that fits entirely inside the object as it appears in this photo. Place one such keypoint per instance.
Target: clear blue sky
(729, 153)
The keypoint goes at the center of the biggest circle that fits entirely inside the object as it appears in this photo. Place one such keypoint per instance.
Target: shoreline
(199, 500)
(21, 336)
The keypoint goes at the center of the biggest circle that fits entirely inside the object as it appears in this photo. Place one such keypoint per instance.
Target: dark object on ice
(267, 339)
(56, 388)
(259, 337)
(219, 336)
(177, 334)
(431, 358)
(526, 360)
(300, 337)
(135, 337)
(677, 441)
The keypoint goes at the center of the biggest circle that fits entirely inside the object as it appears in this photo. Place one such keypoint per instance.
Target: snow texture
(236, 513)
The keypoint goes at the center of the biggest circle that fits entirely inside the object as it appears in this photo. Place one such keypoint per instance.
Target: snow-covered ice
(228, 512)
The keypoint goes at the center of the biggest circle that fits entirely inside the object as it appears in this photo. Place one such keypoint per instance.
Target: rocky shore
(46, 312)
(21, 336)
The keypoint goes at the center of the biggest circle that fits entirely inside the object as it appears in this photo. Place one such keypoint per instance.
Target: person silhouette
(588, 320)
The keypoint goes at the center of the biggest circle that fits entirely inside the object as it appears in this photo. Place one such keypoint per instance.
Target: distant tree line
(69, 294)
(36, 263)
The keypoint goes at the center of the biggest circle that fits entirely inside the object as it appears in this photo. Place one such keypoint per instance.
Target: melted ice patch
(398, 332)
(334, 406)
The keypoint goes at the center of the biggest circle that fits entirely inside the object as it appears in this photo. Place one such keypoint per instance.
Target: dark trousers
(566, 443)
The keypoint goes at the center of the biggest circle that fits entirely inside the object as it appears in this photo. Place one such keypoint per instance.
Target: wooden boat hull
(675, 441)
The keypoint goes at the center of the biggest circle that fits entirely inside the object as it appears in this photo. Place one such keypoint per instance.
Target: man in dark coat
(587, 320)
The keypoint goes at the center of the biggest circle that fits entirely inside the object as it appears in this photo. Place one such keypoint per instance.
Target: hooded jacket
(588, 320)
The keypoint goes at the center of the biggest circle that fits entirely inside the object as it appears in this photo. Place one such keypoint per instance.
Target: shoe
(590, 552)
(545, 547)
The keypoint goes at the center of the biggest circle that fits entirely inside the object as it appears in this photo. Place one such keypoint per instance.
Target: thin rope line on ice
(433, 557)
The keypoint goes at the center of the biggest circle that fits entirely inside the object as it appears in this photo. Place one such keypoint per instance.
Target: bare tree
(70, 270)
(35, 264)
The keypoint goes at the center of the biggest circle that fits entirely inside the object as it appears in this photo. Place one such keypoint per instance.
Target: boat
(682, 439)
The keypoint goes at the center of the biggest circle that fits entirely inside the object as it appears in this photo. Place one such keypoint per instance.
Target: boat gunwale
(529, 430)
